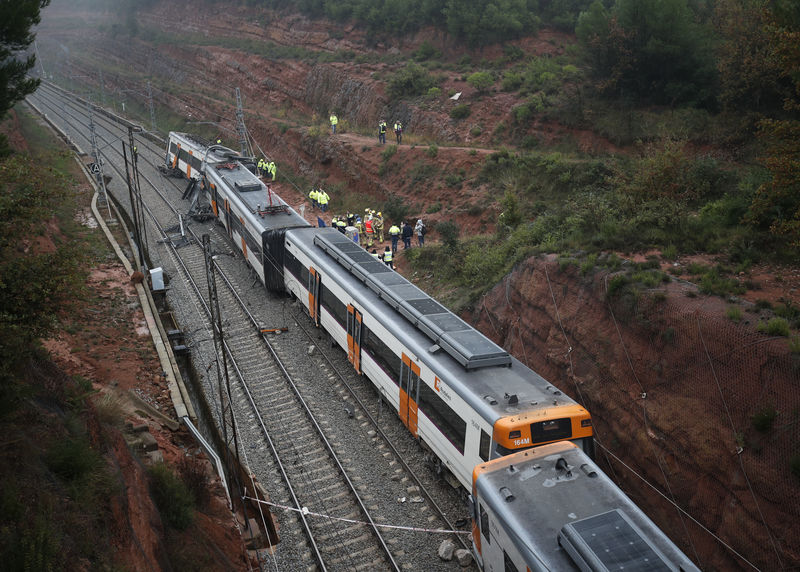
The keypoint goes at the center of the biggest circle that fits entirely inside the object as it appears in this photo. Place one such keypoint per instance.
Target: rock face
(673, 387)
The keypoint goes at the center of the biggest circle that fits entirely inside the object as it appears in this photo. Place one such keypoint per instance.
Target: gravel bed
(387, 490)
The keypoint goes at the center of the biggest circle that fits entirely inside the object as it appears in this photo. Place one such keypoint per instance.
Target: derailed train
(461, 395)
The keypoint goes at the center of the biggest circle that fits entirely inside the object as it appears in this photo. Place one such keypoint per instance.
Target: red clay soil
(672, 385)
(113, 349)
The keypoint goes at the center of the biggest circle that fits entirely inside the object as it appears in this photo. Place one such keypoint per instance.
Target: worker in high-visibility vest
(334, 123)
(272, 169)
(387, 257)
(313, 195)
(322, 199)
(394, 234)
(369, 230)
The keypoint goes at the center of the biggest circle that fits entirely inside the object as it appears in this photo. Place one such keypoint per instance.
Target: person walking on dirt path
(382, 132)
(334, 123)
(408, 232)
(398, 131)
(394, 234)
(420, 230)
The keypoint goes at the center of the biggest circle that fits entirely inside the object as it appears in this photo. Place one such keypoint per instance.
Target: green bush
(617, 284)
(512, 81)
(794, 466)
(410, 81)
(775, 327)
(395, 209)
(433, 150)
(764, 419)
(434, 93)
(72, 458)
(426, 51)
(434, 208)
(734, 313)
(670, 252)
(389, 152)
(481, 81)
(449, 231)
(461, 111)
(172, 497)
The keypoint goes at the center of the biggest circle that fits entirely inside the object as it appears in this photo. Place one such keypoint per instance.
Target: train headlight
(586, 422)
(514, 434)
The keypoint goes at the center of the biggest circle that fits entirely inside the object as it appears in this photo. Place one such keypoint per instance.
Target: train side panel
(431, 411)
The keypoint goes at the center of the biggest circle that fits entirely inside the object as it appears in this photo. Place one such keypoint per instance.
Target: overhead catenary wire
(306, 512)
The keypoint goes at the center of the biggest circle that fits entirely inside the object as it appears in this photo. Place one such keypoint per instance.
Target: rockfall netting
(697, 416)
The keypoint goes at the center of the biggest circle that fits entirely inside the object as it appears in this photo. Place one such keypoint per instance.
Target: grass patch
(774, 327)
(734, 313)
(173, 498)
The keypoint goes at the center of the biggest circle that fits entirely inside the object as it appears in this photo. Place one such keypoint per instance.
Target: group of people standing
(382, 128)
(398, 131)
(267, 167)
(319, 198)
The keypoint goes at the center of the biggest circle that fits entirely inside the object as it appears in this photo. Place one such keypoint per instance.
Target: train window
(184, 156)
(552, 430)
(483, 452)
(304, 274)
(253, 246)
(443, 416)
(196, 163)
(292, 264)
(333, 305)
(485, 524)
(380, 352)
(173, 147)
(509, 565)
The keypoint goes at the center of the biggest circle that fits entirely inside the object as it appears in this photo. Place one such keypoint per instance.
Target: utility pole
(240, 128)
(102, 90)
(97, 164)
(226, 412)
(39, 57)
(152, 109)
(134, 215)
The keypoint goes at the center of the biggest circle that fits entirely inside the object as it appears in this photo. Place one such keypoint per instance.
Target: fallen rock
(464, 557)
(446, 550)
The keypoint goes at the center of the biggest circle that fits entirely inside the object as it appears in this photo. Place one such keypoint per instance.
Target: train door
(409, 394)
(314, 279)
(354, 321)
(228, 215)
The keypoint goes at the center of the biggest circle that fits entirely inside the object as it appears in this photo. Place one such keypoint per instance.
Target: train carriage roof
(558, 507)
(265, 209)
(464, 343)
(493, 390)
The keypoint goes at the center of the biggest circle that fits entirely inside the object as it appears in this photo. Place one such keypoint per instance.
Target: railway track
(292, 418)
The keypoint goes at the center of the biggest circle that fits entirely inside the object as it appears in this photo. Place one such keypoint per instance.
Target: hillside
(610, 216)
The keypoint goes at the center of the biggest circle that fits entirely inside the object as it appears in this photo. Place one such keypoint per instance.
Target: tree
(651, 50)
(16, 20)
(777, 203)
(749, 79)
